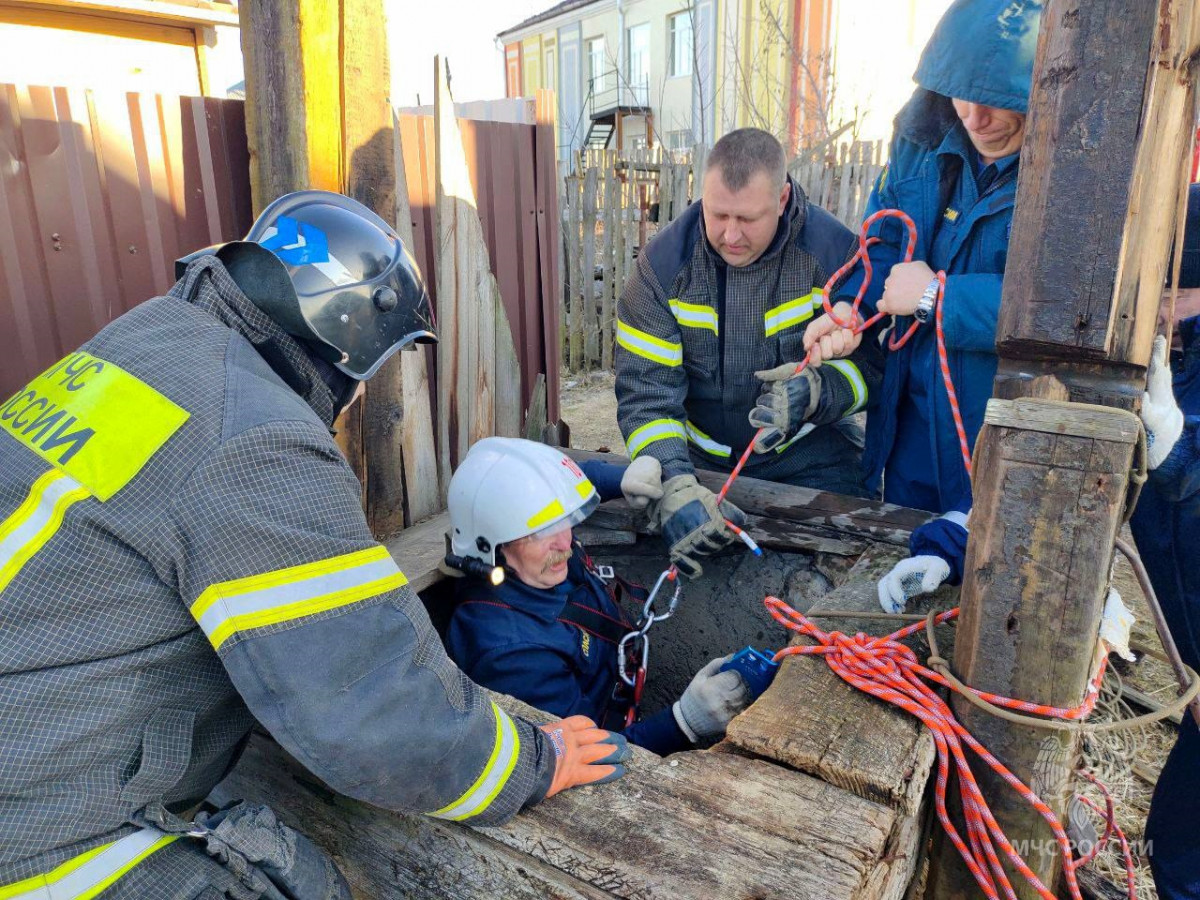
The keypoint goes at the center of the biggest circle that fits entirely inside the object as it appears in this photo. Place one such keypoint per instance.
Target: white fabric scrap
(1116, 625)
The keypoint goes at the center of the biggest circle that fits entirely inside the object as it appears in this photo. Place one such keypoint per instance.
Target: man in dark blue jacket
(548, 633)
(953, 169)
(1166, 527)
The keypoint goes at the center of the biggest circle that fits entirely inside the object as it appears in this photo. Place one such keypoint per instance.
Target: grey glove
(786, 403)
(711, 701)
(689, 520)
(642, 482)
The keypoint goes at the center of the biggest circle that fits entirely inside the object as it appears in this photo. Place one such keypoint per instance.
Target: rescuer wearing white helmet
(535, 618)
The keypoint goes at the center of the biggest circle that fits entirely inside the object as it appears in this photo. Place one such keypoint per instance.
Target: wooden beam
(317, 116)
(1110, 112)
(1098, 192)
(813, 721)
(835, 516)
(694, 826)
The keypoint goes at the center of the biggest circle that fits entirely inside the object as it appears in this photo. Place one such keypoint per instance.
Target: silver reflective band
(254, 601)
(705, 443)
(83, 882)
(491, 781)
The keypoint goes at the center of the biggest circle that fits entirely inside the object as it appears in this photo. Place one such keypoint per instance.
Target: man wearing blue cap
(952, 168)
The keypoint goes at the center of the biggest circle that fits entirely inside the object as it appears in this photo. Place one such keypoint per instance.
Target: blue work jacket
(1166, 523)
(512, 638)
(963, 231)
(1166, 527)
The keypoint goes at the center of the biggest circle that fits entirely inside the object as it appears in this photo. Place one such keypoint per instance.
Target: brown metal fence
(514, 174)
(99, 194)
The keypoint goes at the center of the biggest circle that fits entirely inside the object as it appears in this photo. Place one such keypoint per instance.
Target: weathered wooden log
(811, 720)
(697, 825)
(835, 516)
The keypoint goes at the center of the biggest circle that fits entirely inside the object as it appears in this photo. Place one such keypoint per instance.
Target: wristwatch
(927, 302)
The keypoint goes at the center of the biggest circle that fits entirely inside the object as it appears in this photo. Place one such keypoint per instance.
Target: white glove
(1160, 413)
(711, 701)
(909, 577)
(642, 482)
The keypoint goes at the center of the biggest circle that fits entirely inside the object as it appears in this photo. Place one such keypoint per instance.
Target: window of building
(679, 140)
(679, 49)
(550, 81)
(596, 64)
(637, 62)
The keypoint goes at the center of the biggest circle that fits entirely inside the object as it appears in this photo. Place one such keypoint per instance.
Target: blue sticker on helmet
(298, 243)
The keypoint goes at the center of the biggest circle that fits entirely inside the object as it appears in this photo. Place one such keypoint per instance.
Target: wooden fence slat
(574, 266)
(611, 211)
(591, 330)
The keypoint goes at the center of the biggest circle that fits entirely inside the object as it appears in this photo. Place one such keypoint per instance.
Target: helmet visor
(569, 521)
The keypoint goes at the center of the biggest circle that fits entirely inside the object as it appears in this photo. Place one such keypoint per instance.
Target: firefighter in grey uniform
(182, 551)
(710, 331)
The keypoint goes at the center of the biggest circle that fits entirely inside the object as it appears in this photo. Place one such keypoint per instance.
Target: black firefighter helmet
(334, 275)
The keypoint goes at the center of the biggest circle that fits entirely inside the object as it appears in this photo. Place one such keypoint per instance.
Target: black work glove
(786, 403)
(691, 523)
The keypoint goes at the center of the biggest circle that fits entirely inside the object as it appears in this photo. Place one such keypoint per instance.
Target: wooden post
(317, 116)
(1110, 114)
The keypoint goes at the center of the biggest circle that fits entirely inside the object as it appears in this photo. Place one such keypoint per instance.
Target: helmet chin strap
(340, 385)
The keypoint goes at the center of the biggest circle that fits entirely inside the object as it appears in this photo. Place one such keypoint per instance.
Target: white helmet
(508, 488)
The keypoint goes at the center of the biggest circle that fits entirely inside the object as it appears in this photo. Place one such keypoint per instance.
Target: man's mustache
(556, 557)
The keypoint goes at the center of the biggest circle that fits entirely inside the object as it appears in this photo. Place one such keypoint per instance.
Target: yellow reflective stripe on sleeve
(648, 346)
(658, 430)
(705, 443)
(92, 420)
(91, 873)
(289, 594)
(491, 781)
(553, 510)
(35, 521)
(694, 315)
(792, 313)
(854, 376)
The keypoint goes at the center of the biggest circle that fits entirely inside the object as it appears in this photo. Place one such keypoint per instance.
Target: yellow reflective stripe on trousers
(35, 521)
(648, 346)
(854, 376)
(705, 443)
(792, 313)
(90, 873)
(287, 594)
(694, 315)
(494, 776)
(658, 430)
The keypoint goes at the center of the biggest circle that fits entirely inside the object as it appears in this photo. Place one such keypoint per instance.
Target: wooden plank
(549, 248)
(607, 307)
(508, 372)
(695, 826)
(419, 549)
(535, 416)
(832, 515)
(846, 738)
(574, 250)
(591, 328)
(418, 448)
